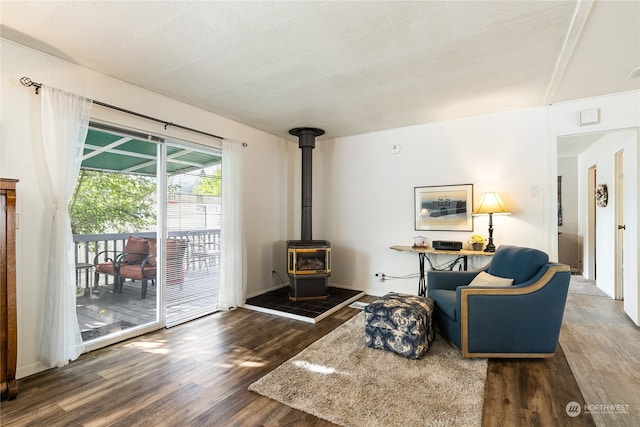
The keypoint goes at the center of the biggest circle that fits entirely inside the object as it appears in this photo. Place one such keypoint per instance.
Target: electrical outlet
(273, 273)
(380, 276)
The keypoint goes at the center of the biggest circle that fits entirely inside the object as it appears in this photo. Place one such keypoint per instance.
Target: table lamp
(491, 204)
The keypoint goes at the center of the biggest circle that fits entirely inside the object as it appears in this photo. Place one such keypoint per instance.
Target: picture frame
(444, 208)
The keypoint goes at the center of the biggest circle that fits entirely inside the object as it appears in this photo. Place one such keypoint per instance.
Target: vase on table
(477, 246)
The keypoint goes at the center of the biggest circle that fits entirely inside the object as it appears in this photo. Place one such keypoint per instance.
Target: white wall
(21, 157)
(620, 120)
(569, 242)
(368, 192)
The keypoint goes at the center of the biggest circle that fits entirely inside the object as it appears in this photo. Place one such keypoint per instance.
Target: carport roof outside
(112, 152)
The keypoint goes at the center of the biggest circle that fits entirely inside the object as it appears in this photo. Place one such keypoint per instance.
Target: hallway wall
(569, 240)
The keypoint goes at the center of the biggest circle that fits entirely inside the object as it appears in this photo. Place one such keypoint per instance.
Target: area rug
(340, 380)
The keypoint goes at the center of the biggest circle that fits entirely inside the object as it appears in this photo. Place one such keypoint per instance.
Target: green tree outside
(108, 202)
(210, 185)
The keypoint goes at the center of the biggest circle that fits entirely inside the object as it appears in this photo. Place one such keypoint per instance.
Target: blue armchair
(520, 320)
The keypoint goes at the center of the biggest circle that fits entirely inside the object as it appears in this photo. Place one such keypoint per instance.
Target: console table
(424, 252)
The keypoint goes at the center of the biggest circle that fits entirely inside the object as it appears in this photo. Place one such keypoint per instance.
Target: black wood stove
(308, 260)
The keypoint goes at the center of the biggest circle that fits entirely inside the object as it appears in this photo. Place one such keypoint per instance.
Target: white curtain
(65, 120)
(233, 278)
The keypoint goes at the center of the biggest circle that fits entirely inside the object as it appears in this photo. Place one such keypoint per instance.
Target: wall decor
(602, 195)
(444, 207)
(559, 201)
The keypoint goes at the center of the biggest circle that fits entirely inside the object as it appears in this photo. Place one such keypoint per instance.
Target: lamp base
(490, 247)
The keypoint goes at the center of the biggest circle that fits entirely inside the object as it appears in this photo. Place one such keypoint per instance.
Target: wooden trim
(464, 313)
(8, 184)
(8, 305)
(426, 250)
(506, 355)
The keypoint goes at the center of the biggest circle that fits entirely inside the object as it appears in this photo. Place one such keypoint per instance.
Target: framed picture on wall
(444, 207)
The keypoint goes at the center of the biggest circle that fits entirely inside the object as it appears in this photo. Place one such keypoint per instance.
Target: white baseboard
(30, 369)
(376, 292)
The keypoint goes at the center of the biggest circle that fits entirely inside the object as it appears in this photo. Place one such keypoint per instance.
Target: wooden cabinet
(8, 321)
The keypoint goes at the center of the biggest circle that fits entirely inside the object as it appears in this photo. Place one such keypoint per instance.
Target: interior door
(620, 225)
(591, 223)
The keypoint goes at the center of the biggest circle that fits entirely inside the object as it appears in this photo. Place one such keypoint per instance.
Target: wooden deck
(102, 310)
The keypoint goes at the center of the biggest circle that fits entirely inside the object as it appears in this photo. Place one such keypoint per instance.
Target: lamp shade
(490, 203)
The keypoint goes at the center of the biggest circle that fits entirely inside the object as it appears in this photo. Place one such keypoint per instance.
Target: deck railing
(200, 243)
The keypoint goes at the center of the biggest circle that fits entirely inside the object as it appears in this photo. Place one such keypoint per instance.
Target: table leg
(87, 286)
(88, 270)
(422, 283)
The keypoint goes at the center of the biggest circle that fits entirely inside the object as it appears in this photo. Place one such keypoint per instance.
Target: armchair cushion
(485, 279)
(517, 263)
(153, 251)
(136, 250)
(446, 302)
(106, 268)
(137, 272)
(450, 280)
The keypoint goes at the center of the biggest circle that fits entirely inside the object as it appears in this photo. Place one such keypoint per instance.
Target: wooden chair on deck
(135, 251)
(202, 252)
(138, 261)
(145, 271)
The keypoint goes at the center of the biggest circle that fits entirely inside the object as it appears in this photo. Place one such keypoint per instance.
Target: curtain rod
(27, 82)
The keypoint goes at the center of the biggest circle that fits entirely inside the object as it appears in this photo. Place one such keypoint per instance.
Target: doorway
(610, 253)
(620, 226)
(193, 211)
(141, 191)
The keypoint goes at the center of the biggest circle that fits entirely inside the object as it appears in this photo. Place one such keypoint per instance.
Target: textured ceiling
(346, 67)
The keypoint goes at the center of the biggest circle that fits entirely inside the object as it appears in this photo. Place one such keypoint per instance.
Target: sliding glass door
(193, 215)
(146, 223)
(114, 216)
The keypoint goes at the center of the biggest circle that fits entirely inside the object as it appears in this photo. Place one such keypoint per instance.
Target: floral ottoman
(400, 323)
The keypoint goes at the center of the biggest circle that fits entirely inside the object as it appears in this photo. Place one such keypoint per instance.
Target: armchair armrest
(148, 267)
(96, 259)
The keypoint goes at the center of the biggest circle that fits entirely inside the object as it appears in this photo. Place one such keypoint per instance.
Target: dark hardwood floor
(197, 374)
